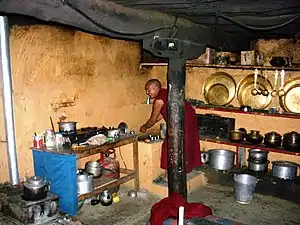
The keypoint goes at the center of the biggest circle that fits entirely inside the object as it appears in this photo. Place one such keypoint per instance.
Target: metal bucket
(244, 187)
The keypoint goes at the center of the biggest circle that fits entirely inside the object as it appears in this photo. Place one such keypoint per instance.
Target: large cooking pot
(258, 156)
(67, 126)
(258, 167)
(284, 170)
(35, 188)
(272, 139)
(85, 183)
(220, 159)
(254, 137)
(94, 168)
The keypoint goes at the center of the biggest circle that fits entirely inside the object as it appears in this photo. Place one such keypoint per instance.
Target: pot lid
(34, 181)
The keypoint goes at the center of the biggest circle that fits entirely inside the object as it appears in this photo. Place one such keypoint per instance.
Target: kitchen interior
(76, 120)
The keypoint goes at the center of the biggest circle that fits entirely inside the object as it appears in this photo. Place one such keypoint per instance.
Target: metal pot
(113, 132)
(284, 170)
(254, 137)
(221, 159)
(35, 188)
(273, 139)
(106, 198)
(236, 135)
(95, 168)
(258, 156)
(291, 141)
(258, 167)
(67, 126)
(85, 183)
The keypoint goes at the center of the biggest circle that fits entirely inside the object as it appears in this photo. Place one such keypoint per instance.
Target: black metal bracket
(173, 48)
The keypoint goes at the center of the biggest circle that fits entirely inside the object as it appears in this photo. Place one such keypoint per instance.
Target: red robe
(191, 135)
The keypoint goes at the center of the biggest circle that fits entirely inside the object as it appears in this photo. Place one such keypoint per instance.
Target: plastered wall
(92, 80)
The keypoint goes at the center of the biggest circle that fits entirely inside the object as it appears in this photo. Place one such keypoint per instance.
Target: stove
(32, 212)
(83, 134)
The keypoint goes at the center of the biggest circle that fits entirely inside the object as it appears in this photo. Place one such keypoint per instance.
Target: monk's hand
(143, 129)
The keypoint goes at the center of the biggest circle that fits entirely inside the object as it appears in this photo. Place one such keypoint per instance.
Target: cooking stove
(32, 212)
(83, 134)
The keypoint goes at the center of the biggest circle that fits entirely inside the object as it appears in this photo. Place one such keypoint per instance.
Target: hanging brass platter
(246, 85)
(290, 102)
(219, 89)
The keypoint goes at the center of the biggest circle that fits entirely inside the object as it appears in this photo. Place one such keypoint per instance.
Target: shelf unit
(191, 64)
(60, 167)
(235, 110)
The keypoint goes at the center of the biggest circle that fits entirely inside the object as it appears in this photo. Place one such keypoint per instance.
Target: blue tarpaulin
(60, 170)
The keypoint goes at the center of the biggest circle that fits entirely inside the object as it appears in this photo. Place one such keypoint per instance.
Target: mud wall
(57, 71)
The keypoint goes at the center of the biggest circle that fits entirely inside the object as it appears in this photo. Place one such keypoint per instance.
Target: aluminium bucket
(244, 187)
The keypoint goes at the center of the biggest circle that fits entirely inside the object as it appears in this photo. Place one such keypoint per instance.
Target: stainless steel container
(67, 126)
(244, 187)
(258, 156)
(35, 188)
(258, 167)
(94, 168)
(284, 170)
(85, 183)
(221, 159)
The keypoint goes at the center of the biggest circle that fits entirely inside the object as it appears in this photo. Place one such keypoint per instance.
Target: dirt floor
(263, 210)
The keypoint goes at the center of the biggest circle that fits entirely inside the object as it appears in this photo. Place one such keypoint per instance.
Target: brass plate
(245, 97)
(219, 89)
(290, 102)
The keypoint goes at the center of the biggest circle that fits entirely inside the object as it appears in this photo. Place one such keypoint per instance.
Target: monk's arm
(155, 115)
(159, 118)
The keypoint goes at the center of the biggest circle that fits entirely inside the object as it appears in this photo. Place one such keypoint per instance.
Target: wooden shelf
(101, 184)
(245, 145)
(92, 150)
(235, 110)
(189, 64)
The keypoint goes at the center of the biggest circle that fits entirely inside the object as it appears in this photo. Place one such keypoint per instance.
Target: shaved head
(152, 87)
(153, 82)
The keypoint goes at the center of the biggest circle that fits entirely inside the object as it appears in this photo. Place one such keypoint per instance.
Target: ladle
(265, 92)
(274, 92)
(281, 92)
(255, 91)
(258, 86)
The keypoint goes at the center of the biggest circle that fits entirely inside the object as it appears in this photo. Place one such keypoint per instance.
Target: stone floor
(263, 210)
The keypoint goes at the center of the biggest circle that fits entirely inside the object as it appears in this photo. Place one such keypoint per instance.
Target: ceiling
(227, 25)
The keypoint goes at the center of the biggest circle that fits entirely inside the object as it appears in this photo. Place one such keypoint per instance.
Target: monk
(159, 111)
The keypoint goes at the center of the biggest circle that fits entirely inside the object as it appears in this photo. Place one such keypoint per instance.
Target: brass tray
(290, 101)
(245, 87)
(219, 89)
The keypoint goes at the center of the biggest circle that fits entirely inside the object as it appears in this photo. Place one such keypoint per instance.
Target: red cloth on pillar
(191, 137)
(169, 207)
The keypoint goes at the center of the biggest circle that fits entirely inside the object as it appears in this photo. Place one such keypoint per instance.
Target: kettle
(106, 198)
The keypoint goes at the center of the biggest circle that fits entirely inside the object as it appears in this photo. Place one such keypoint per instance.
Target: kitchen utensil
(284, 170)
(243, 130)
(291, 141)
(281, 92)
(254, 90)
(221, 159)
(95, 168)
(106, 198)
(51, 121)
(123, 128)
(35, 188)
(85, 183)
(277, 61)
(265, 92)
(113, 132)
(246, 108)
(236, 136)
(246, 85)
(244, 187)
(274, 92)
(257, 155)
(67, 126)
(290, 100)
(254, 137)
(258, 167)
(272, 139)
(219, 89)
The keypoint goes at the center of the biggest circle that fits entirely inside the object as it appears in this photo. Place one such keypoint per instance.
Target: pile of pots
(258, 160)
(289, 141)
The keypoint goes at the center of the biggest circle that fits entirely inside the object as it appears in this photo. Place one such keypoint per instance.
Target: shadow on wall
(57, 71)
